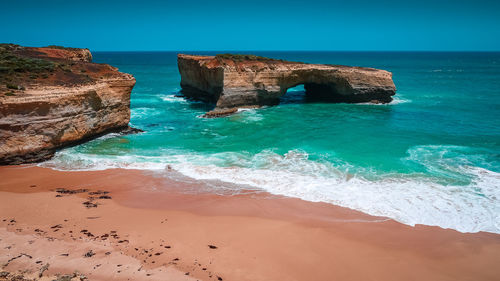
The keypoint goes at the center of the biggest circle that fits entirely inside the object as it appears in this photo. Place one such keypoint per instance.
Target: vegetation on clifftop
(241, 58)
(10, 63)
(23, 66)
(14, 67)
(62, 48)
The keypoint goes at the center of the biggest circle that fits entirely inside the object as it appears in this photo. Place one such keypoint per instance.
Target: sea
(431, 157)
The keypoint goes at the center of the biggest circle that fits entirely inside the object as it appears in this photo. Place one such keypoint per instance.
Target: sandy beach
(135, 225)
(250, 141)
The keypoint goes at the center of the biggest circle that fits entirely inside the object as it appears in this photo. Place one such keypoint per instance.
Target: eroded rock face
(241, 81)
(71, 102)
(57, 52)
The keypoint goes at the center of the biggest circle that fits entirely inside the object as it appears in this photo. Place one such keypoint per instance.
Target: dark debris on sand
(71, 191)
(89, 254)
(101, 194)
(89, 204)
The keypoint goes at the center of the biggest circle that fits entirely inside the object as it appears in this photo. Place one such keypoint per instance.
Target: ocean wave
(173, 98)
(140, 113)
(74, 161)
(447, 70)
(398, 100)
(470, 204)
(249, 115)
(410, 199)
(395, 100)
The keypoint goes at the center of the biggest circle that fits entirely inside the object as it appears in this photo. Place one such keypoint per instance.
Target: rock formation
(53, 97)
(232, 81)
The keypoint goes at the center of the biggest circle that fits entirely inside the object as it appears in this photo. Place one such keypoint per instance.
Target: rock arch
(232, 81)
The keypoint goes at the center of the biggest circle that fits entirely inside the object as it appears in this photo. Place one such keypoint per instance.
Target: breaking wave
(173, 98)
(453, 190)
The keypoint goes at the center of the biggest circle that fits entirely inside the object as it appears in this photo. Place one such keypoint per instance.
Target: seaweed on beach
(71, 191)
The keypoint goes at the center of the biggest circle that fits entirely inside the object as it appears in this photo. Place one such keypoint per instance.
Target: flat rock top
(25, 69)
(246, 62)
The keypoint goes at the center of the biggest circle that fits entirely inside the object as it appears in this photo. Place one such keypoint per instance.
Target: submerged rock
(220, 112)
(53, 97)
(235, 81)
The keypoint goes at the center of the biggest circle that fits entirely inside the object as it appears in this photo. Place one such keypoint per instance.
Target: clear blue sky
(254, 24)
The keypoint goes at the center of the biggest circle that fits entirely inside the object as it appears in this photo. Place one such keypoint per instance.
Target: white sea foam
(395, 100)
(143, 113)
(398, 100)
(408, 198)
(173, 98)
(447, 70)
(249, 115)
(109, 136)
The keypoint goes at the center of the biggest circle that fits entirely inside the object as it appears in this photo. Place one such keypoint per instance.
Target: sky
(348, 25)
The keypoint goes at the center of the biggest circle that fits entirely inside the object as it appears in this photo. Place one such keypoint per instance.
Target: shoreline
(258, 236)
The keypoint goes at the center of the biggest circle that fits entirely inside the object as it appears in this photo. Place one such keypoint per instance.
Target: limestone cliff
(74, 54)
(232, 81)
(53, 97)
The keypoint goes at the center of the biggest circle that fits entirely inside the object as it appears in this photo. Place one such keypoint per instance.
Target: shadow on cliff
(197, 104)
(298, 95)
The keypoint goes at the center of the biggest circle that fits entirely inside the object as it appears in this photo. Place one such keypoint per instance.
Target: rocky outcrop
(60, 98)
(232, 81)
(73, 54)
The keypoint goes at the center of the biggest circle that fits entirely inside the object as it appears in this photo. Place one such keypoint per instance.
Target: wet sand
(129, 224)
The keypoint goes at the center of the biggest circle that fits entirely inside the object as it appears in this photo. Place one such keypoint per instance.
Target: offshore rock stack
(236, 81)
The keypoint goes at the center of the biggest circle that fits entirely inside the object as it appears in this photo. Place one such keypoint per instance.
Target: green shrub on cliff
(240, 58)
(14, 86)
(10, 63)
(61, 47)
(11, 86)
(13, 67)
(7, 47)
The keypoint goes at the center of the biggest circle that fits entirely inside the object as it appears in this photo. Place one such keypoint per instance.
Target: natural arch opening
(313, 93)
(294, 95)
(330, 93)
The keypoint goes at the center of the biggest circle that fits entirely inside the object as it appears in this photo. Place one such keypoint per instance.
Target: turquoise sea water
(430, 157)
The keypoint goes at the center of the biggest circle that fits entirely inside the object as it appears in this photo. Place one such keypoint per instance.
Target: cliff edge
(53, 97)
(232, 81)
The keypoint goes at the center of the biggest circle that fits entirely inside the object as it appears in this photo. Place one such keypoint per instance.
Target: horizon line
(250, 50)
(381, 51)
